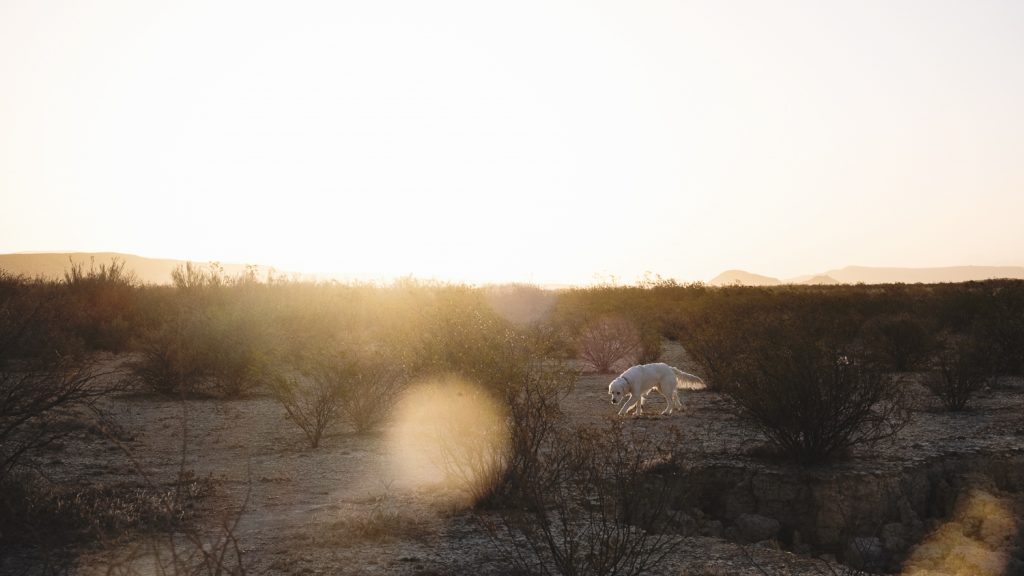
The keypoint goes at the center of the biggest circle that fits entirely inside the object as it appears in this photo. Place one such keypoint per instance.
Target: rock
(866, 553)
(740, 500)
(907, 515)
(894, 537)
(755, 528)
(712, 529)
(731, 533)
(686, 524)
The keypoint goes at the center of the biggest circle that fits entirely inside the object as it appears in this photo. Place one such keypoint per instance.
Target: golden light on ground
(449, 433)
(974, 542)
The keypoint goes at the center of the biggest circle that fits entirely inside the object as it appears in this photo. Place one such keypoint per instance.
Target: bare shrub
(964, 367)
(36, 399)
(811, 399)
(534, 414)
(312, 403)
(607, 341)
(167, 359)
(792, 363)
(593, 508)
(488, 452)
(373, 384)
(650, 346)
(220, 350)
(330, 387)
(233, 348)
(709, 337)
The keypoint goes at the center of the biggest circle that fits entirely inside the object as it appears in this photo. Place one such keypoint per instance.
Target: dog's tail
(688, 381)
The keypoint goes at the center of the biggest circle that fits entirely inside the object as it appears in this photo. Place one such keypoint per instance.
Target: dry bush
(534, 414)
(39, 393)
(811, 399)
(329, 387)
(471, 439)
(222, 350)
(790, 362)
(608, 341)
(373, 383)
(593, 508)
(489, 455)
(234, 349)
(312, 403)
(191, 278)
(100, 304)
(964, 367)
(167, 359)
(714, 347)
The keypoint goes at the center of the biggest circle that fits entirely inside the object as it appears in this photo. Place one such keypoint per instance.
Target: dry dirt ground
(302, 509)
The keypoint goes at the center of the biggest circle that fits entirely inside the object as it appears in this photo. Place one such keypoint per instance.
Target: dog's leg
(627, 405)
(636, 405)
(632, 408)
(669, 405)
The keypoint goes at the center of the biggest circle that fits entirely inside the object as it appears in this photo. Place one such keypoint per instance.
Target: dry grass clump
(385, 520)
(39, 513)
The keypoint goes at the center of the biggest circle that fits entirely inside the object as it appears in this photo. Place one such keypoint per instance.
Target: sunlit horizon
(552, 143)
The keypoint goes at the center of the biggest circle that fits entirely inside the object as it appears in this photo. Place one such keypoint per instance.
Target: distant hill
(873, 275)
(52, 265)
(819, 280)
(876, 275)
(733, 277)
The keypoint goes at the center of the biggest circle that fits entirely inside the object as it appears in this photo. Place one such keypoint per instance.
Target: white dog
(641, 380)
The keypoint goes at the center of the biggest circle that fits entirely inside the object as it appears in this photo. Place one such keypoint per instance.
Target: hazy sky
(546, 141)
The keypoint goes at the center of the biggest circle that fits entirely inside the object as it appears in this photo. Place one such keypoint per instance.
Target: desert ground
(345, 508)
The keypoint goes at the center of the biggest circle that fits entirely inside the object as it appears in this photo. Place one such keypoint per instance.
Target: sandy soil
(300, 504)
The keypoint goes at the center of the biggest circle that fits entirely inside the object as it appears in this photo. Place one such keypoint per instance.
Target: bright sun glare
(537, 141)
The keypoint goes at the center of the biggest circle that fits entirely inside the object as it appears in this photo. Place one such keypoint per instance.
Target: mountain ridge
(880, 275)
(53, 265)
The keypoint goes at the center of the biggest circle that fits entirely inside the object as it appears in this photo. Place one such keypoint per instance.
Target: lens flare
(974, 542)
(449, 433)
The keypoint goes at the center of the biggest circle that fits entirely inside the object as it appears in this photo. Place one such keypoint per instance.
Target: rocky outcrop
(870, 519)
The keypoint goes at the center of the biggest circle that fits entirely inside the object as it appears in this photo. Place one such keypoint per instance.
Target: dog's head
(616, 389)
